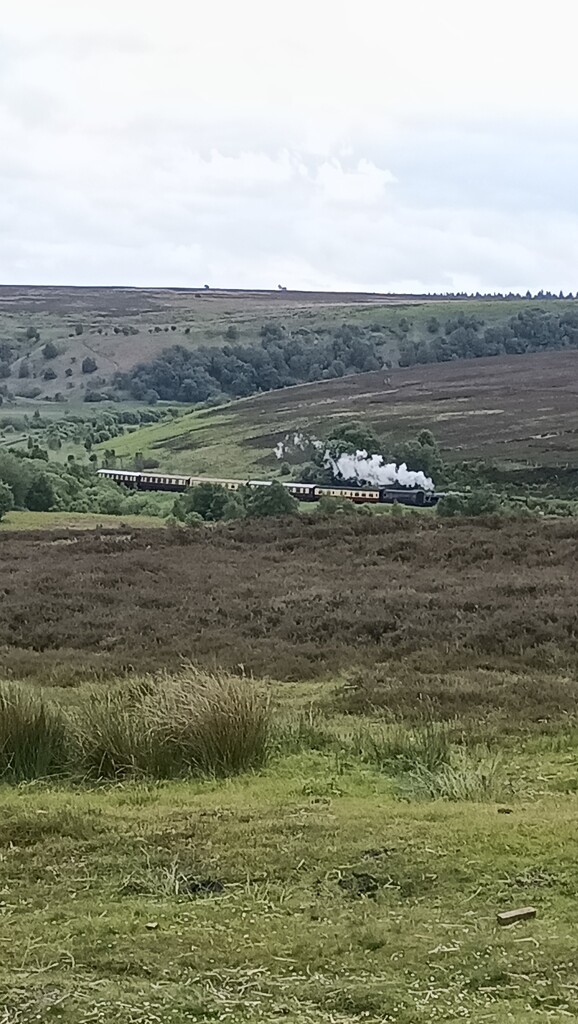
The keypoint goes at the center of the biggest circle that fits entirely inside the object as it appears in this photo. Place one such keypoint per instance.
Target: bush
(33, 391)
(89, 365)
(208, 500)
(50, 350)
(331, 506)
(273, 500)
(450, 505)
(78, 329)
(6, 499)
(34, 737)
(481, 502)
(40, 496)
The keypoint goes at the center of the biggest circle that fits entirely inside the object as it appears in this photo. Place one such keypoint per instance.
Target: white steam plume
(371, 469)
(293, 442)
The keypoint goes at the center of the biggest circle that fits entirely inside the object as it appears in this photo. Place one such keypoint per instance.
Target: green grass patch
(72, 520)
(309, 891)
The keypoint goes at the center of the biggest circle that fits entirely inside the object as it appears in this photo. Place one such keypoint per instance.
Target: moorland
(287, 768)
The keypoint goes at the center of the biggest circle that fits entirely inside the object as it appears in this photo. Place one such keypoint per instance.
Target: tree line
(234, 370)
(466, 337)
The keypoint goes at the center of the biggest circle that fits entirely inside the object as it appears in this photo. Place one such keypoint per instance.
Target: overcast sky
(408, 145)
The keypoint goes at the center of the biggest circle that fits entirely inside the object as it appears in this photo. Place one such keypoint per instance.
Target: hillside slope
(115, 328)
(517, 410)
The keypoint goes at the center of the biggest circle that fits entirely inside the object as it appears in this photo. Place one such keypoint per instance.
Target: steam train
(155, 481)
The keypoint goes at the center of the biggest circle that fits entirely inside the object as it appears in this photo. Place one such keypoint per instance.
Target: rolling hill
(94, 333)
(518, 410)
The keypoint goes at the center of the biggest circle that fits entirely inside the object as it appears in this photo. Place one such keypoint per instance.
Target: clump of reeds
(35, 740)
(194, 723)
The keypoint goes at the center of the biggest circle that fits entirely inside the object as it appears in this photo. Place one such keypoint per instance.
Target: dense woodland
(236, 370)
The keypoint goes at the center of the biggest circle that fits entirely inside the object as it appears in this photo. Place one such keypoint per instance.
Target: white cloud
(376, 145)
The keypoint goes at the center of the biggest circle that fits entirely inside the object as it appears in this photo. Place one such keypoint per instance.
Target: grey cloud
(123, 163)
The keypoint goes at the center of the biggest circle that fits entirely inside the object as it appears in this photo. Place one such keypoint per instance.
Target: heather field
(288, 770)
(409, 599)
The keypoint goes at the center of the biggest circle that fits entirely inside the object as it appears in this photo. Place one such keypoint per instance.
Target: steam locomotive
(154, 481)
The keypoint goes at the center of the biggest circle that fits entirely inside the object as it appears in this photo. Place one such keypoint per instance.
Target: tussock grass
(194, 723)
(308, 730)
(157, 728)
(465, 779)
(397, 748)
(34, 736)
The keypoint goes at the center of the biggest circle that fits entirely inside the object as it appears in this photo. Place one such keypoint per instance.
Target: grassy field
(397, 762)
(331, 900)
(72, 521)
(519, 411)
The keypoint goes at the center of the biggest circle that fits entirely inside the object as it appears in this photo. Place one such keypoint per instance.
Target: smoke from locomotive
(363, 468)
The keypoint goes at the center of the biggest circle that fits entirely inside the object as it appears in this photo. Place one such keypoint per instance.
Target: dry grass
(190, 725)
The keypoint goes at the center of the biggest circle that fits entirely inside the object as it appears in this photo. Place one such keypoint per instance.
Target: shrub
(480, 502)
(34, 737)
(451, 505)
(78, 329)
(191, 519)
(208, 500)
(40, 496)
(331, 506)
(6, 499)
(50, 350)
(274, 500)
(89, 365)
